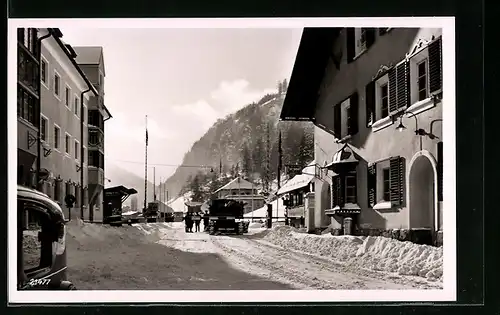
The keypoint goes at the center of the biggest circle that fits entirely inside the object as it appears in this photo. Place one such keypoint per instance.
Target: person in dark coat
(197, 221)
(205, 221)
(189, 222)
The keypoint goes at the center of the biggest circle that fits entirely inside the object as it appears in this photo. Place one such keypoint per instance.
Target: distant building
(295, 192)
(244, 191)
(133, 203)
(91, 61)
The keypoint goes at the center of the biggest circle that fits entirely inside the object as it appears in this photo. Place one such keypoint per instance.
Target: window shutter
(440, 170)
(370, 103)
(403, 83)
(393, 104)
(370, 36)
(353, 126)
(396, 176)
(337, 121)
(350, 43)
(435, 66)
(372, 185)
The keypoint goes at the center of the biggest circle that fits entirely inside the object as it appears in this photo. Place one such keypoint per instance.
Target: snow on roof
(237, 183)
(278, 210)
(301, 180)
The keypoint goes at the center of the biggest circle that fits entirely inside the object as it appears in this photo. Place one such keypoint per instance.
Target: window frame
(386, 191)
(77, 149)
(46, 262)
(67, 96)
(77, 106)
(57, 87)
(44, 133)
(425, 62)
(57, 136)
(46, 82)
(67, 143)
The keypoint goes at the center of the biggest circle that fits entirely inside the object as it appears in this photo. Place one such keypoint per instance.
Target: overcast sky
(184, 80)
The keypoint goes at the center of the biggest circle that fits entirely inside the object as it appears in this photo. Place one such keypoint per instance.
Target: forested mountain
(245, 143)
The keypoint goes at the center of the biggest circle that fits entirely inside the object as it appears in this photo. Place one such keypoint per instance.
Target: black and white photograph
(208, 160)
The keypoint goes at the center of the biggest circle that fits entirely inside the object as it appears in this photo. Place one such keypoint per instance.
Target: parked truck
(151, 212)
(226, 216)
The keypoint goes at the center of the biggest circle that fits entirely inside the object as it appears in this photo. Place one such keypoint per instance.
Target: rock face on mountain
(246, 142)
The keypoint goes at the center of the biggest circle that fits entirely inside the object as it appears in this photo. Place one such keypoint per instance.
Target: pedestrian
(189, 222)
(197, 221)
(205, 221)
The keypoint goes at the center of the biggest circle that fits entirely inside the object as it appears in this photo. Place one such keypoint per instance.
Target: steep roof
(308, 70)
(237, 183)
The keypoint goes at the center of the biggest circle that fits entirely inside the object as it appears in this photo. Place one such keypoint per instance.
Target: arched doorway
(422, 186)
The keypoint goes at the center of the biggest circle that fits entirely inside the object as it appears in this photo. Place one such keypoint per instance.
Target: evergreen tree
(195, 187)
(280, 87)
(246, 160)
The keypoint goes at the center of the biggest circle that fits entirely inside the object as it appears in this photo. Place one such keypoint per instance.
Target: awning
(299, 181)
(344, 156)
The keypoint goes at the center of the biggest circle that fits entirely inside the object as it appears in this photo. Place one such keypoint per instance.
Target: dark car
(41, 239)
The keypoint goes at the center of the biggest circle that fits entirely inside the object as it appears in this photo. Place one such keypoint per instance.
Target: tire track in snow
(303, 270)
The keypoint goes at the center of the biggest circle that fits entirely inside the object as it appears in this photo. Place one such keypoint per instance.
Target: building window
(77, 148)
(95, 138)
(422, 80)
(67, 97)
(386, 192)
(66, 143)
(43, 128)
(384, 94)
(345, 120)
(358, 41)
(29, 38)
(77, 107)
(57, 134)
(96, 159)
(27, 106)
(57, 85)
(344, 189)
(96, 119)
(43, 71)
(386, 183)
(426, 72)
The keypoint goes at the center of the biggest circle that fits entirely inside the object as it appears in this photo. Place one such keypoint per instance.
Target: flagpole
(280, 153)
(146, 169)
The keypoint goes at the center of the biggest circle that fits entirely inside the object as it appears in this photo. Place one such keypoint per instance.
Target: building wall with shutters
(56, 112)
(353, 77)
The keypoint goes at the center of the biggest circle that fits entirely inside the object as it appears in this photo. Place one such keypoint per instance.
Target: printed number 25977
(38, 282)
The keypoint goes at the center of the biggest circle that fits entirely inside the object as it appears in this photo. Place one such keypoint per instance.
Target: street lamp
(401, 126)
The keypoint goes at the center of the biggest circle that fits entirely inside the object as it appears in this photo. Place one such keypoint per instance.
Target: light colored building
(91, 61)
(357, 85)
(295, 193)
(64, 90)
(244, 191)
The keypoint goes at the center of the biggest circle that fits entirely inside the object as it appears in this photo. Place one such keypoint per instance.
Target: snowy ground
(162, 256)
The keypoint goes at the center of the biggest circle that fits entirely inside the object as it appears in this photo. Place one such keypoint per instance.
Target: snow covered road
(164, 256)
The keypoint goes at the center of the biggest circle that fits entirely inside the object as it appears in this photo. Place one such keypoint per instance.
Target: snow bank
(375, 253)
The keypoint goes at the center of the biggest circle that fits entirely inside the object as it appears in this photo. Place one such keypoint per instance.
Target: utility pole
(280, 154)
(154, 184)
(146, 169)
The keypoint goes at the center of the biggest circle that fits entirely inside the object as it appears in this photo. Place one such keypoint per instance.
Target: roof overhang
(314, 51)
